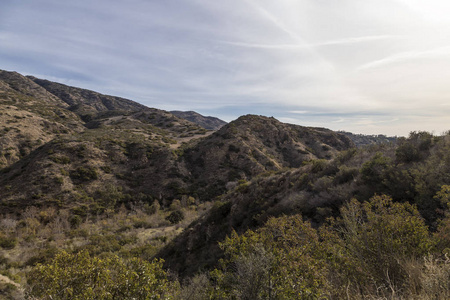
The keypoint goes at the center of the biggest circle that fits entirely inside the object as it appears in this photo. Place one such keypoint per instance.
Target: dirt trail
(7, 280)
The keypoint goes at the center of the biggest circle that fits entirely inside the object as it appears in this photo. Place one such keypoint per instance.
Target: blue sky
(372, 66)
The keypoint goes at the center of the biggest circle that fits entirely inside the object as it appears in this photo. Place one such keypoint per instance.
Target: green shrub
(278, 261)
(3, 260)
(139, 223)
(80, 276)
(84, 174)
(243, 187)
(318, 165)
(9, 291)
(42, 256)
(378, 235)
(345, 174)
(60, 159)
(373, 171)
(59, 180)
(415, 147)
(75, 221)
(175, 217)
(7, 242)
(146, 252)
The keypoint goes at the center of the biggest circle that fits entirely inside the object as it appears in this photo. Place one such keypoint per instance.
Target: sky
(371, 67)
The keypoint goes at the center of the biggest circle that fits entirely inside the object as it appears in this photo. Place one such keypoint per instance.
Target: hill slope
(211, 123)
(252, 145)
(82, 142)
(51, 131)
(413, 170)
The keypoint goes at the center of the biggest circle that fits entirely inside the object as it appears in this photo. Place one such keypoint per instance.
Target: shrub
(443, 233)
(415, 147)
(175, 205)
(7, 242)
(345, 174)
(75, 221)
(60, 159)
(318, 165)
(175, 217)
(377, 235)
(42, 256)
(84, 174)
(80, 276)
(278, 261)
(374, 170)
(243, 187)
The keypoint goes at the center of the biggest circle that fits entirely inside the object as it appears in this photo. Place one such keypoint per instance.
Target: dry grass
(40, 233)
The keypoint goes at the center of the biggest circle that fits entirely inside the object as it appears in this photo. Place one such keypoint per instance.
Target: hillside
(412, 171)
(71, 156)
(52, 132)
(94, 184)
(83, 142)
(30, 116)
(252, 145)
(211, 123)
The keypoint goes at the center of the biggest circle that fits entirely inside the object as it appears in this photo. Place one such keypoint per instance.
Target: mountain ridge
(110, 140)
(207, 122)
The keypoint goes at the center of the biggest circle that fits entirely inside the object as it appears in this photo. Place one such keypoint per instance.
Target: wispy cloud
(301, 112)
(276, 21)
(352, 40)
(362, 39)
(407, 56)
(310, 62)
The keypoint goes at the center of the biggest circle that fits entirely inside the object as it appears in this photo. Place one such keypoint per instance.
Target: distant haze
(373, 66)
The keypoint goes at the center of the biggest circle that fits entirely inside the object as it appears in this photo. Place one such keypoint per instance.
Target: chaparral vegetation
(103, 198)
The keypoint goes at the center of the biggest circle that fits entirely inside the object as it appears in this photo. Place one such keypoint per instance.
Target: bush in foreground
(80, 276)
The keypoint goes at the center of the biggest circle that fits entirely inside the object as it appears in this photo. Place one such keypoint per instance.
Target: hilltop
(208, 122)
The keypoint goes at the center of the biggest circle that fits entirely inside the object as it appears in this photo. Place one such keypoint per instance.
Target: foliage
(60, 159)
(84, 174)
(364, 252)
(275, 262)
(376, 236)
(175, 217)
(413, 148)
(373, 171)
(80, 276)
(7, 242)
(443, 233)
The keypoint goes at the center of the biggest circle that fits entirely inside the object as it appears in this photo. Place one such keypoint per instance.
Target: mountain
(85, 176)
(211, 123)
(63, 144)
(30, 116)
(413, 170)
(60, 143)
(252, 145)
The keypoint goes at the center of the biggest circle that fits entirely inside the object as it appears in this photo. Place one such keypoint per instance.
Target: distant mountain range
(372, 139)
